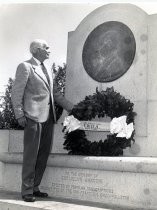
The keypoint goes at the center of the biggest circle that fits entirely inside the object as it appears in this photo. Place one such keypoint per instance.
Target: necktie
(45, 72)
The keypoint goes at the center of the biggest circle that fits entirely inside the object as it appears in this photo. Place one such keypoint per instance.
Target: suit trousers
(37, 147)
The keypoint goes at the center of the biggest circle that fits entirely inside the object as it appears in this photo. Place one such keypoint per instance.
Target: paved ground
(13, 201)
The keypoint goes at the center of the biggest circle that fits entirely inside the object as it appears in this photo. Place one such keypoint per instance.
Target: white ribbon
(119, 126)
(71, 123)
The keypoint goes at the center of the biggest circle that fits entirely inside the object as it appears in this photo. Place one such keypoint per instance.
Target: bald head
(36, 44)
(40, 49)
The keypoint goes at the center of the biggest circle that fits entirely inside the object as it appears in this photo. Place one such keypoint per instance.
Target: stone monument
(111, 48)
(115, 45)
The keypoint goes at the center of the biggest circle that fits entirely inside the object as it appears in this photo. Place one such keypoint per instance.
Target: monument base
(126, 182)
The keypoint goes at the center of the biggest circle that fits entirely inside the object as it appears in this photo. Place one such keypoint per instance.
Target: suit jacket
(32, 96)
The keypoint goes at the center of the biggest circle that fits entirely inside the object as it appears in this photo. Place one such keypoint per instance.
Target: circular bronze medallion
(109, 51)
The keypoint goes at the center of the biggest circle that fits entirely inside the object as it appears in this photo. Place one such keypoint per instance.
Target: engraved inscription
(82, 185)
(82, 191)
(81, 177)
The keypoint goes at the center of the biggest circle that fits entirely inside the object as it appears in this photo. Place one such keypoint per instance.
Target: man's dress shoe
(40, 194)
(28, 198)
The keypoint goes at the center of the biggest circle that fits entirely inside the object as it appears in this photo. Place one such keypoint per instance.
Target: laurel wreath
(105, 103)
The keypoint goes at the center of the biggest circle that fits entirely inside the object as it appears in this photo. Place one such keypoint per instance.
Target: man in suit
(33, 96)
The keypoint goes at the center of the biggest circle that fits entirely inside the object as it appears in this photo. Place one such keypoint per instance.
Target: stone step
(13, 201)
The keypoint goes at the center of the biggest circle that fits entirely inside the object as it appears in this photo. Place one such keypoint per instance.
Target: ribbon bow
(71, 123)
(119, 126)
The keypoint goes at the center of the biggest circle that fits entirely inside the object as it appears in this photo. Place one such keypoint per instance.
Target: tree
(7, 114)
(60, 76)
(1, 121)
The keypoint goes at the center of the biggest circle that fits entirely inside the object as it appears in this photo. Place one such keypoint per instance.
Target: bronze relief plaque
(109, 51)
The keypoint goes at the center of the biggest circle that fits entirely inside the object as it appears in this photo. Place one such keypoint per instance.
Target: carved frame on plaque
(108, 51)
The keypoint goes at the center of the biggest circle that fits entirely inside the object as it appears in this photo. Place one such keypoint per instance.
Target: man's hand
(22, 121)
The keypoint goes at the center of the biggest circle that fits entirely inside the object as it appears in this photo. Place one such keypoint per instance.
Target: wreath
(105, 103)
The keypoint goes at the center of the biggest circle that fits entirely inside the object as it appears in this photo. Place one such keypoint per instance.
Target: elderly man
(33, 96)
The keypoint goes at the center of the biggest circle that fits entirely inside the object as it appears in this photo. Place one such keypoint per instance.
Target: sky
(23, 21)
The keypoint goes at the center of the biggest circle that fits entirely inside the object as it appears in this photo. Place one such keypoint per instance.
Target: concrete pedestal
(124, 182)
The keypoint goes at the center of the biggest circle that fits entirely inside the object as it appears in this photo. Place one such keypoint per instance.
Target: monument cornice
(121, 164)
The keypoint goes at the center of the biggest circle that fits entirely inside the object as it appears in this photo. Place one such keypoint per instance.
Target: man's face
(44, 52)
